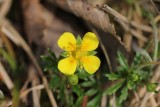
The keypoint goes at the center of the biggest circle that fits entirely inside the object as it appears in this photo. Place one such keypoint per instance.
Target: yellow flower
(78, 53)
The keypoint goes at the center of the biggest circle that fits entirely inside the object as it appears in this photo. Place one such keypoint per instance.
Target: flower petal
(67, 41)
(91, 64)
(90, 42)
(67, 66)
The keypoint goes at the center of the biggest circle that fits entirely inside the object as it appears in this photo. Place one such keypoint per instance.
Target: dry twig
(6, 4)
(24, 93)
(12, 34)
(125, 20)
(6, 78)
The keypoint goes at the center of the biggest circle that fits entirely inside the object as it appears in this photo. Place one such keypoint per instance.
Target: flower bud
(73, 79)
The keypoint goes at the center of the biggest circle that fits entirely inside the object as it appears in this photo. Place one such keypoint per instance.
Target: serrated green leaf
(113, 76)
(48, 63)
(52, 53)
(113, 88)
(95, 102)
(65, 54)
(54, 82)
(91, 53)
(83, 74)
(122, 61)
(87, 84)
(77, 89)
(79, 101)
(124, 94)
(91, 92)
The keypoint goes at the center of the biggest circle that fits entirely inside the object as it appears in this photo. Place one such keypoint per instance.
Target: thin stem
(155, 33)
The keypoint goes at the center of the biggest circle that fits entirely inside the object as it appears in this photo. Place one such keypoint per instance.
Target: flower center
(77, 54)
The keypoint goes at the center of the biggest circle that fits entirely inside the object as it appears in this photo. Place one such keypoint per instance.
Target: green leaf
(54, 82)
(113, 76)
(130, 84)
(79, 101)
(122, 61)
(65, 54)
(91, 92)
(95, 102)
(52, 53)
(77, 89)
(113, 89)
(91, 53)
(82, 74)
(87, 84)
(48, 63)
(124, 94)
(79, 40)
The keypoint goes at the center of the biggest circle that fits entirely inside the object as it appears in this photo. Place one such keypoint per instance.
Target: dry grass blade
(38, 87)
(6, 78)
(155, 6)
(125, 20)
(12, 34)
(35, 93)
(132, 31)
(6, 4)
(156, 19)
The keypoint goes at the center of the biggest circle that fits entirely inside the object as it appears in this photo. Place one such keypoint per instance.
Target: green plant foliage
(49, 61)
(123, 61)
(79, 40)
(113, 89)
(113, 76)
(9, 58)
(123, 95)
(65, 54)
(91, 53)
(151, 87)
(95, 102)
(131, 76)
(67, 88)
(73, 79)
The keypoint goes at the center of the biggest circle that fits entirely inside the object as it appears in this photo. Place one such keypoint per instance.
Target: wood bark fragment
(91, 14)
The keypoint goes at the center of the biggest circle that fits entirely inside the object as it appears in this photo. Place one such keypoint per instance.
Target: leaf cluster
(130, 77)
